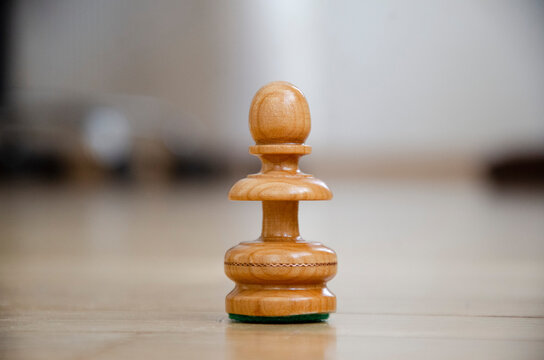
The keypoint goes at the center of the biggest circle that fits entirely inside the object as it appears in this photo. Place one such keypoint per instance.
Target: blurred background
(160, 90)
(123, 124)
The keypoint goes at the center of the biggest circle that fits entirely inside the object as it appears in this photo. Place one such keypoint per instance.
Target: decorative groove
(280, 264)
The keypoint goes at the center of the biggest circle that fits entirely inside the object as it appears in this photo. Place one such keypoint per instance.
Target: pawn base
(280, 302)
(277, 279)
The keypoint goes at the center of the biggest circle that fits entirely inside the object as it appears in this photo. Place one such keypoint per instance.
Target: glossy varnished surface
(279, 114)
(279, 122)
(290, 189)
(428, 270)
(280, 274)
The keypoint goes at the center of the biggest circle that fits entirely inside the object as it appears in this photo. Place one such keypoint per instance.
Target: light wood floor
(427, 270)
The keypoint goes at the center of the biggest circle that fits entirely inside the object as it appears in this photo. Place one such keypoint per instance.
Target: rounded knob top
(279, 114)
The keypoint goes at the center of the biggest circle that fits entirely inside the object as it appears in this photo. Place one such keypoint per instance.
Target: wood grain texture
(280, 177)
(280, 274)
(280, 221)
(279, 113)
(311, 263)
(262, 188)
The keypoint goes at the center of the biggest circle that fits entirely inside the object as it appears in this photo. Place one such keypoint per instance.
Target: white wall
(381, 77)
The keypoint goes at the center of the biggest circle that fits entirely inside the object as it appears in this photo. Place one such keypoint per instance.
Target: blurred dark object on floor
(19, 162)
(81, 142)
(523, 170)
(197, 167)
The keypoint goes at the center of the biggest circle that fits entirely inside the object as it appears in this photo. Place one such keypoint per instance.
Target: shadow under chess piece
(280, 278)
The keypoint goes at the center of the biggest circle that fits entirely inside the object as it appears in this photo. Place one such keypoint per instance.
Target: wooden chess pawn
(280, 278)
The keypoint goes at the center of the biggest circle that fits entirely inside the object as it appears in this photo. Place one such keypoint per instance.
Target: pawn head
(279, 114)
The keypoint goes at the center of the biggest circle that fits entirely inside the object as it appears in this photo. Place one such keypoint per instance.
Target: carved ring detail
(280, 264)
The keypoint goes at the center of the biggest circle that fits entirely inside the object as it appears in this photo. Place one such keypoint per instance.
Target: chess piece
(280, 278)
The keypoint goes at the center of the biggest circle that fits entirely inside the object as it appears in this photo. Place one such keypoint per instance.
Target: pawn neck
(284, 164)
(280, 221)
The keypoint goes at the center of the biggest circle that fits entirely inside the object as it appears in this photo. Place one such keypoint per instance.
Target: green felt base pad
(292, 319)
